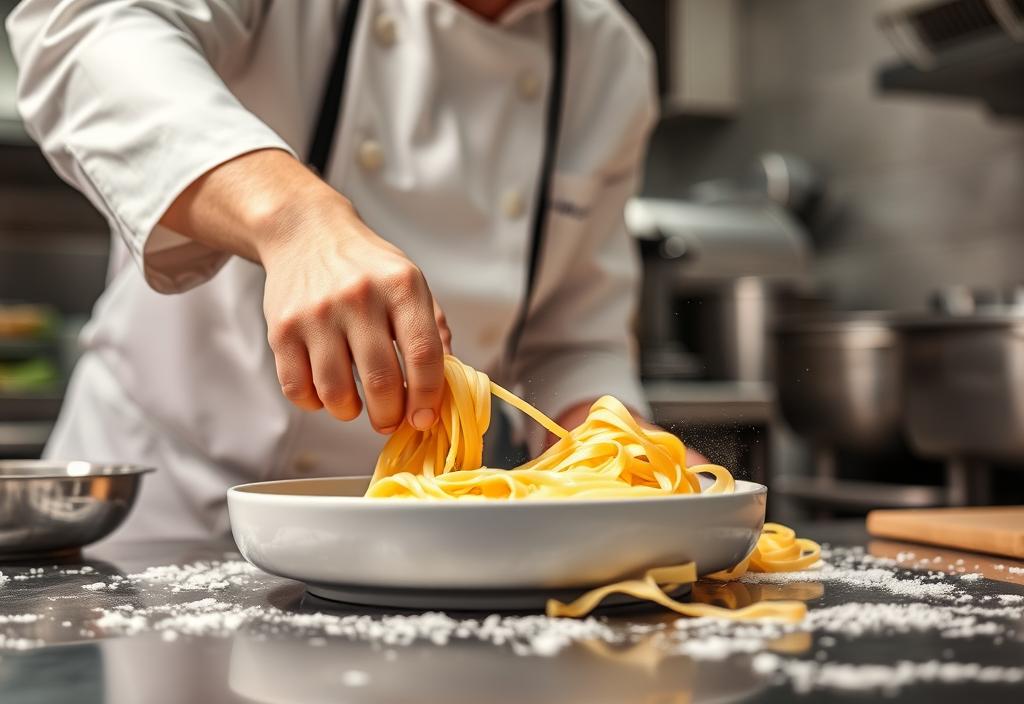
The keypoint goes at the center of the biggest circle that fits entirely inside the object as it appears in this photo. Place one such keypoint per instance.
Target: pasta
(609, 455)
(777, 550)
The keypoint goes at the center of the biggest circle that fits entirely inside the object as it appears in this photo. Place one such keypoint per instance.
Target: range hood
(967, 48)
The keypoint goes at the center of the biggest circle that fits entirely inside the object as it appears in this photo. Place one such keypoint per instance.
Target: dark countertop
(59, 652)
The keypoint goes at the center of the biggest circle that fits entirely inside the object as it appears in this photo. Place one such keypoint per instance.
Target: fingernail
(423, 419)
(388, 430)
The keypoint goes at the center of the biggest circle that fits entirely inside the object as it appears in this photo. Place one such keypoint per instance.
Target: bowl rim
(749, 489)
(61, 469)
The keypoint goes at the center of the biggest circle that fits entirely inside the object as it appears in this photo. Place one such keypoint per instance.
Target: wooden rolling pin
(998, 530)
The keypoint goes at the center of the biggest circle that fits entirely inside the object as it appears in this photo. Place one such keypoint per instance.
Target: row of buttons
(370, 153)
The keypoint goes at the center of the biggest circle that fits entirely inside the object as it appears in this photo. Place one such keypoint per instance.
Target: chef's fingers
(419, 342)
(332, 376)
(294, 373)
(373, 351)
(442, 328)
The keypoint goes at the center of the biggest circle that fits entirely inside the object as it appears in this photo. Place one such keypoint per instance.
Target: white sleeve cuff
(171, 262)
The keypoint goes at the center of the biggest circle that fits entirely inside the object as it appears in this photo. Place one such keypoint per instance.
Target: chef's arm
(127, 100)
(336, 293)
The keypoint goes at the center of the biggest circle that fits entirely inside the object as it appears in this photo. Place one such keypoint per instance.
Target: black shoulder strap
(543, 200)
(334, 91)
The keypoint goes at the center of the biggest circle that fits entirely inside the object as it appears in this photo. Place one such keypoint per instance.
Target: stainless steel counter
(71, 656)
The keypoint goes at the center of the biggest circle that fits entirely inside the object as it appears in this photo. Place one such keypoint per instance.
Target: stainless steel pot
(736, 321)
(839, 380)
(965, 385)
(48, 507)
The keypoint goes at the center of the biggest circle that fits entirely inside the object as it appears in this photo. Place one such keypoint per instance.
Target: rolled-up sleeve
(578, 343)
(127, 99)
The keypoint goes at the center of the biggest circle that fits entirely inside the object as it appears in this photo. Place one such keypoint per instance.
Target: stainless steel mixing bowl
(49, 507)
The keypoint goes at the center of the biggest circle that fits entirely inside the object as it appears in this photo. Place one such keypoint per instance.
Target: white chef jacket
(439, 146)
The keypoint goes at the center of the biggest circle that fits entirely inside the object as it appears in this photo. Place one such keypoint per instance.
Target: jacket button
(512, 204)
(528, 85)
(385, 29)
(370, 155)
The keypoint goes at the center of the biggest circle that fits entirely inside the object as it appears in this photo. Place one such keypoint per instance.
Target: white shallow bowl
(493, 554)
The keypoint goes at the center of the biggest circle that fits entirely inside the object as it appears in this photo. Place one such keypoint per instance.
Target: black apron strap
(543, 198)
(334, 90)
(501, 449)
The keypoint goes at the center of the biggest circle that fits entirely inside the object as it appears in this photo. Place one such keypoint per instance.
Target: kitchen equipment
(480, 555)
(735, 321)
(839, 379)
(715, 275)
(51, 507)
(966, 48)
(996, 530)
(965, 385)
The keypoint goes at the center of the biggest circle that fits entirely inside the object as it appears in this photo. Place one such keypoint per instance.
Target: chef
(312, 201)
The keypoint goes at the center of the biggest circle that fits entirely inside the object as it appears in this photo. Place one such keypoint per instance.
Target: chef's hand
(336, 293)
(576, 414)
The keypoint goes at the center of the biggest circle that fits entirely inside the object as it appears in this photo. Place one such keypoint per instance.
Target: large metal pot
(839, 380)
(736, 321)
(965, 385)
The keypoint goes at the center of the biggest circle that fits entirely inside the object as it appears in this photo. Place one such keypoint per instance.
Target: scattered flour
(947, 605)
(19, 618)
(874, 578)
(198, 576)
(3, 579)
(809, 675)
(527, 635)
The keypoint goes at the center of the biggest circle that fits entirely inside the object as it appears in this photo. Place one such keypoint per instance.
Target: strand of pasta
(609, 455)
(777, 550)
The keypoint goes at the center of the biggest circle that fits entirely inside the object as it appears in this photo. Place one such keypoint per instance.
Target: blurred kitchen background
(832, 230)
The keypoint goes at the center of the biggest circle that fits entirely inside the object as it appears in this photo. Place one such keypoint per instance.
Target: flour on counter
(198, 576)
(809, 675)
(19, 618)
(527, 635)
(875, 578)
(221, 598)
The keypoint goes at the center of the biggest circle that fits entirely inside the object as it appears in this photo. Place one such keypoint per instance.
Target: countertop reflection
(63, 638)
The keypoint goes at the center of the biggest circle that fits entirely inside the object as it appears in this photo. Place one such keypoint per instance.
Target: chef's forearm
(250, 204)
(337, 295)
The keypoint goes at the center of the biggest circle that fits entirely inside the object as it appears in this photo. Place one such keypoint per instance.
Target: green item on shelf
(28, 375)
